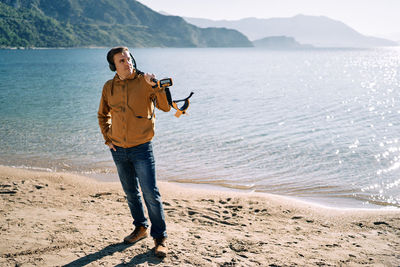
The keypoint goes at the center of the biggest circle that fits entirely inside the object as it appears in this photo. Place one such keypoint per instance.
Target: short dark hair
(112, 53)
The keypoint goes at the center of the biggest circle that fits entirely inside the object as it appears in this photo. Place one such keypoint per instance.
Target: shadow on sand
(148, 257)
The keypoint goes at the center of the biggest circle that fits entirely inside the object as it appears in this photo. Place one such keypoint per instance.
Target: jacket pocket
(141, 106)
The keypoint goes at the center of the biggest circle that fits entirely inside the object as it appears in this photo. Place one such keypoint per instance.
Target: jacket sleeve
(161, 99)
(104, 116)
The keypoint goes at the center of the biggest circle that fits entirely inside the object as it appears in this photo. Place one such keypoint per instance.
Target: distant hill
(280, 42)
(317, 31)
(73, 23)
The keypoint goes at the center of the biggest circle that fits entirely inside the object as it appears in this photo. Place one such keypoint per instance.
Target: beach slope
(59, 219)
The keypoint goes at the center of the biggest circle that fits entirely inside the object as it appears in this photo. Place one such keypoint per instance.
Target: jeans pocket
(118, 155)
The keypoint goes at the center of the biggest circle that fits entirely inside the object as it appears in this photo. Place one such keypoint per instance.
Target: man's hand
(111, 146)
(148, 77)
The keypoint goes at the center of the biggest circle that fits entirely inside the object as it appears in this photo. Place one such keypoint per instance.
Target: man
(126, 119)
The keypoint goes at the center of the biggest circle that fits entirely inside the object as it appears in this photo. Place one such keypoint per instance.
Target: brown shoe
(139, 233)
(160, 248)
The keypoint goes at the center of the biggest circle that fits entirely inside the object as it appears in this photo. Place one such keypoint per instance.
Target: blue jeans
(136, 166)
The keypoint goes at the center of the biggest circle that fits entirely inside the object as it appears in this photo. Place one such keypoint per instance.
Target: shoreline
(61, 219)
(334, 203)
(325, 202)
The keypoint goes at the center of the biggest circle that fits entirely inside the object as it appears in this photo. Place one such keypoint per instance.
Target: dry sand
(56, 219)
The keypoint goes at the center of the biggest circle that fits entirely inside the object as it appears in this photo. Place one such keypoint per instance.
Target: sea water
(320, 124)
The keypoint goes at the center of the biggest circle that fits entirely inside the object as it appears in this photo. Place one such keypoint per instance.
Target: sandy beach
(61, 219)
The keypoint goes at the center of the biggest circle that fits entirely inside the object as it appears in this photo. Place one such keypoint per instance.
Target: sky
(380, 18)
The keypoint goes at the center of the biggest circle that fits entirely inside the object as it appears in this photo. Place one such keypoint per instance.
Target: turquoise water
(315, 124)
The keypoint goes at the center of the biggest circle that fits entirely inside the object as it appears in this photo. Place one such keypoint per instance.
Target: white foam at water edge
(33, 168)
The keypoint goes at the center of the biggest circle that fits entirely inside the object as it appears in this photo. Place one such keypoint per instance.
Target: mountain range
(318, 31)
(79, 23)
(92, 23)
(280, 43)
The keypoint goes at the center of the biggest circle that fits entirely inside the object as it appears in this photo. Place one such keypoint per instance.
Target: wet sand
(61, 219)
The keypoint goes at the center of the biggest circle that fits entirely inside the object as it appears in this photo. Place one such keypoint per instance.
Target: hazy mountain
(317, 31)
(279, 42)
(69, 23)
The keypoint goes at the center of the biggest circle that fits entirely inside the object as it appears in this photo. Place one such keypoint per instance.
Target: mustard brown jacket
(125, 108)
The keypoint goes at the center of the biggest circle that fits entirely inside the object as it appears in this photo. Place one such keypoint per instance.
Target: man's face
(123, 64)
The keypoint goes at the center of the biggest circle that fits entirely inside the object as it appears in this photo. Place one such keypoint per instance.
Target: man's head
(119, 59)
